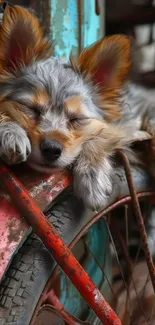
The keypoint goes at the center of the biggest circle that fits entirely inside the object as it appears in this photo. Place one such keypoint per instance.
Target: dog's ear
(107, 64)
(21, 39)
(107, 61)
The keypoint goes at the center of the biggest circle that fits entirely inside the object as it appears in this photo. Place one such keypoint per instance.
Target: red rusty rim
(101, 214)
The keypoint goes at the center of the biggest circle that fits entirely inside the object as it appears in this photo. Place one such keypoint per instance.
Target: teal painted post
(93, 24)
(65, 25)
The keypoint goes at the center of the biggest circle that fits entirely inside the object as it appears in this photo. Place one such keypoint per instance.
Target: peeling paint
(13, 228)
(65, 25)
(93, 25)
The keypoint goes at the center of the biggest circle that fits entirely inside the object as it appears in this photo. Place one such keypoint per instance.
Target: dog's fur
(86, 109)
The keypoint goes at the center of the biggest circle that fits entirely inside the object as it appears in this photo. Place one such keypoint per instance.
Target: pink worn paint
(13, 228)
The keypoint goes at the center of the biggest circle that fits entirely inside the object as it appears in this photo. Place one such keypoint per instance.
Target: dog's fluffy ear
(21, 39)
(107, 63)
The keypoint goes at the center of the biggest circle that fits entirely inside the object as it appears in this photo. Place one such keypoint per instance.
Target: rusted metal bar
(57, 248)
(139, 217)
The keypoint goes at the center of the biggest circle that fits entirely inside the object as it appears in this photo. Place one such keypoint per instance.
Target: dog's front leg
(93, 169)
(92, 180)
(14, 143)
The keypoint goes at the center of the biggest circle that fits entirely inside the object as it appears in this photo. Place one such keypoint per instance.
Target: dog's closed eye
(37, 111)
(32, 111)
(75, 112)
(75, 120)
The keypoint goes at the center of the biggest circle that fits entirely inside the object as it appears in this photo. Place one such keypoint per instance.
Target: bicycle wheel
(24, 292)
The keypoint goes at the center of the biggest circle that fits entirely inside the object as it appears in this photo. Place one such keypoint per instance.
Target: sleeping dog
(55, 114)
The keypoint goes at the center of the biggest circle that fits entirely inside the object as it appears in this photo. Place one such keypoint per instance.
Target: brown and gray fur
(55, 116)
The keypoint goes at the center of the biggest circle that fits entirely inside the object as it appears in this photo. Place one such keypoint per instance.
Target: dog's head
(54, 101)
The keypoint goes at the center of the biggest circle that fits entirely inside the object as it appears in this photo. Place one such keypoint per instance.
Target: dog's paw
(15, 146)
(93, 184)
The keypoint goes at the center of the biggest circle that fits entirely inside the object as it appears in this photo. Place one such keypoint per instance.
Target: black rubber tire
(33, 265)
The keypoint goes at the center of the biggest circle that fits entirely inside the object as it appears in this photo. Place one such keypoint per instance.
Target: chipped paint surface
(65, 25)
(13, 227)
(93, 25)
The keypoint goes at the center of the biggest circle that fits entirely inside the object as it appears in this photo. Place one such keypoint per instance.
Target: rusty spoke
(139, 217)
(126, 225)
(118, 261)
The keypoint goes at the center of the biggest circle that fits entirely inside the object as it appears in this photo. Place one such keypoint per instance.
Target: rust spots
(2, 256)
(13, 226)
(15, 230)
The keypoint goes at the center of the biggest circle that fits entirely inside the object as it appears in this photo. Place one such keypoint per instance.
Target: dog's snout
(51, 149)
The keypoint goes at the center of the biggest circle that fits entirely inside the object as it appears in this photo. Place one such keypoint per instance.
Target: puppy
(53, 115)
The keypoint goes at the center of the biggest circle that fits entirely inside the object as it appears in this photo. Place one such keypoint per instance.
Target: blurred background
(74, 25)
(135, 18)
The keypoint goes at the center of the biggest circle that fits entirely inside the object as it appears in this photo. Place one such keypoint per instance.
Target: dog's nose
(51, 149)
